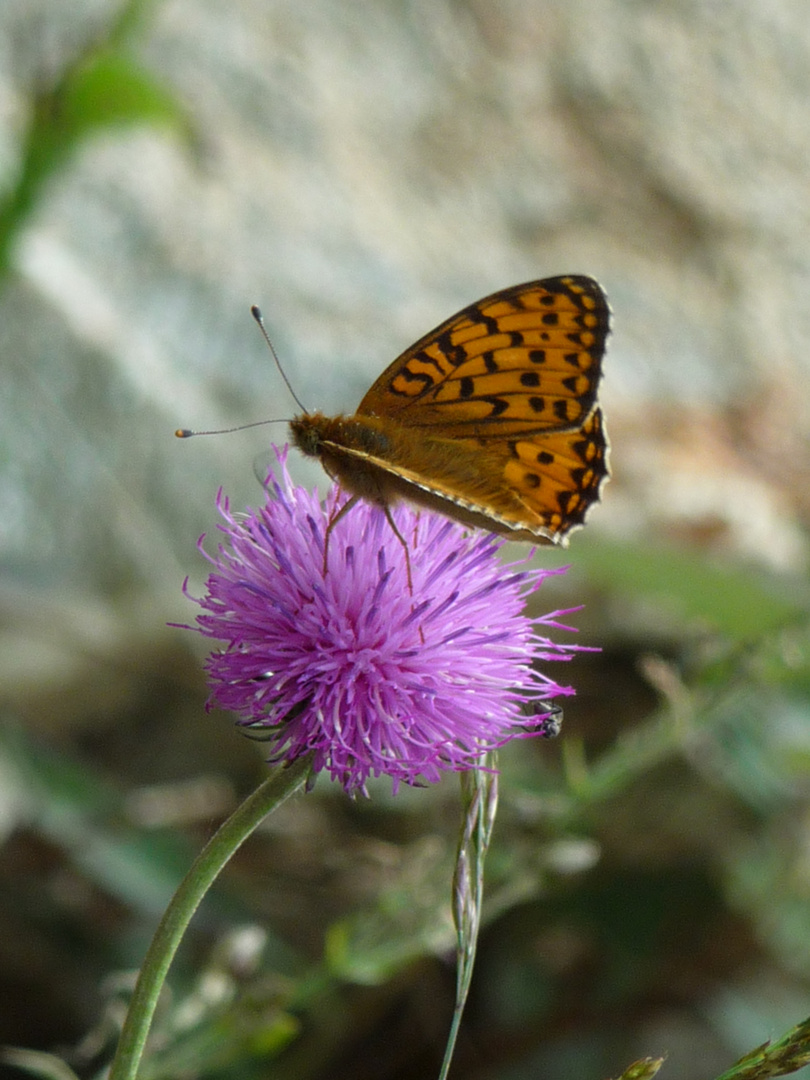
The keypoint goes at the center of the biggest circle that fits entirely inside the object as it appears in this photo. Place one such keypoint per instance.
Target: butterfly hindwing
(558, 476)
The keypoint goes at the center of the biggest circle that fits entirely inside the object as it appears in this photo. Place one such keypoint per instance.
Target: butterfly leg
(347, 506)
(404, 543)
(350, 502)
(405, 548)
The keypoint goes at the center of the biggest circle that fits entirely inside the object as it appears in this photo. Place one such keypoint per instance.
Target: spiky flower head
(348, 663)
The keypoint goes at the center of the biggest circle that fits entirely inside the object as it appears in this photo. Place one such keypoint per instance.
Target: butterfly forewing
(525, 359)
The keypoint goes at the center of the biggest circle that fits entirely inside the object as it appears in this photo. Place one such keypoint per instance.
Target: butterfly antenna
(186, 433)
(257, 315)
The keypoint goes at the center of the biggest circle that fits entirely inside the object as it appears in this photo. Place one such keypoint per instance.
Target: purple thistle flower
(349, 665)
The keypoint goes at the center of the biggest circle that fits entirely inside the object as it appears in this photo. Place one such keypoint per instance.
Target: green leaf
(644, 1069)
(739, 601)
(110, 90)
(786, 1055)
(45, 1066)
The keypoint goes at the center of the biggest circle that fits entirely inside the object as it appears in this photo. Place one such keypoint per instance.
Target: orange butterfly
(491, 419)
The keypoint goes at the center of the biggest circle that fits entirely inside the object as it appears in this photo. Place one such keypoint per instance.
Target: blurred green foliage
(103, 88)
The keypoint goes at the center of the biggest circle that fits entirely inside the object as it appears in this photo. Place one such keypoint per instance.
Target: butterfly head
(306, 432)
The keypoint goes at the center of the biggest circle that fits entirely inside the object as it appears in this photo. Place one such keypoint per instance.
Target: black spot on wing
(499, 405)
(411, 377)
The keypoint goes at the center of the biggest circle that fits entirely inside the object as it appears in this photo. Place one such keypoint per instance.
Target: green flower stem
(479, 792)
(216, 853)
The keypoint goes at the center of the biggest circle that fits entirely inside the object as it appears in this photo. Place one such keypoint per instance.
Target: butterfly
(490, 419)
